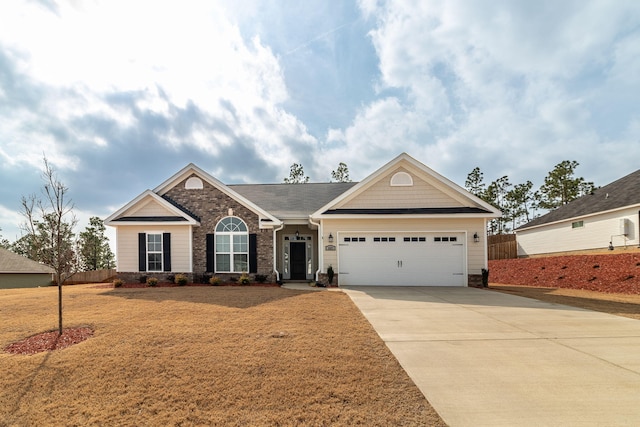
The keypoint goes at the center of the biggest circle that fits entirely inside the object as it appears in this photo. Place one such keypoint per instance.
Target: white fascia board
(151, 223)
(578, 218)
(409, 216)
(191, 168)
(150, 194)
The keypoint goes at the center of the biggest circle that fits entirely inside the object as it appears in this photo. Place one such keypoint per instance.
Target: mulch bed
(611, 273)
(174, 285)
(49, 341)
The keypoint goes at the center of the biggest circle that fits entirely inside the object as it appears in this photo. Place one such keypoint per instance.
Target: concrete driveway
(484, 358)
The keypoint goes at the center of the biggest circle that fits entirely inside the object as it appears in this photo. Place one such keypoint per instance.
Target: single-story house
(608, 218)
(402, 225)
(17, 271)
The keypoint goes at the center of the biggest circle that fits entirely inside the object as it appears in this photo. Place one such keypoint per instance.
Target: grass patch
(203, 356)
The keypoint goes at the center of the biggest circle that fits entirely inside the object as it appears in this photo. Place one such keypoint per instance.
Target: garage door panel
(418, 259)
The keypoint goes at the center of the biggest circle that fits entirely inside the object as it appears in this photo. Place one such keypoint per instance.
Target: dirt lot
(627, 305)
(202, 356)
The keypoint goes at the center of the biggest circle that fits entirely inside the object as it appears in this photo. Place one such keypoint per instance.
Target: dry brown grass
(619, 304)
(202, 356)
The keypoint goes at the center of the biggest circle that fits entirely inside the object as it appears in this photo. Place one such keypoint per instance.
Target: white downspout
(320, 251)
(275, 251)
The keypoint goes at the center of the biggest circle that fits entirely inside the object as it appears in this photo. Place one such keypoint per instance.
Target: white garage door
(405, 259)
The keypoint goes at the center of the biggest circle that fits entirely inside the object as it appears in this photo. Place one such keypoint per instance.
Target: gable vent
(401, 179)
(193, 183)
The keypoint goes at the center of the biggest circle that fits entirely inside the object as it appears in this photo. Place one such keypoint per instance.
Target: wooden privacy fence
(95, 276)
(502, 246)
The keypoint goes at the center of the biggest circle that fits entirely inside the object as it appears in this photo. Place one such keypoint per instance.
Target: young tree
(561, 187)
(49, 224)
(341, 174)
(296, 175)
(93, 246)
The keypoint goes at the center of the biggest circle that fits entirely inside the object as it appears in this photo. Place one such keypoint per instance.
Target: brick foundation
(475, 280)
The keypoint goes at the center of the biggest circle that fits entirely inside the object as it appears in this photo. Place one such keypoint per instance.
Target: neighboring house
(605, 219)
(403, 225)
(17, 271)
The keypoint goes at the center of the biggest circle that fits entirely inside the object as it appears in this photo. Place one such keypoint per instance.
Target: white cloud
(165, 55)
(514, 86)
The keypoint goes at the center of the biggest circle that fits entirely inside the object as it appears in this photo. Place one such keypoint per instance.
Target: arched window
(232, 246)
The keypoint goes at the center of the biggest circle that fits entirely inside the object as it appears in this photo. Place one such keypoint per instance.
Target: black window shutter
(211, 254)
(166, 251)
(253, 253)
(142, 252)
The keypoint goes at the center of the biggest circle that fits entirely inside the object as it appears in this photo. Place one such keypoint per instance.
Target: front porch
(296, 252)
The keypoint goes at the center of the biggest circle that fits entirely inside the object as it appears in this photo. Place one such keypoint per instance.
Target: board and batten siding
(127, 246)
(476, 252)
(383, 195)
(596, 233)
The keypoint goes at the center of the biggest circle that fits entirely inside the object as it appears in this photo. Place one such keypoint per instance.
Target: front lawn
(202, 356)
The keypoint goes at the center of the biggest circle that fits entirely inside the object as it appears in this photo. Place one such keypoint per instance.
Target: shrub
(261, 278)
(152, 281)
(143, 279)
(181, 279)
(118, 283)
(214, 281)
(244, 279)
(330, 274)
(171, 278)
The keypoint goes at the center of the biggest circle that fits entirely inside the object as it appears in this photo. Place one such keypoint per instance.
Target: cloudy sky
(119, 95)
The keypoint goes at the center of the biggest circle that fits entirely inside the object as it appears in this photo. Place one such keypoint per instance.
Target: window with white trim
(154, 252)
(232, 246)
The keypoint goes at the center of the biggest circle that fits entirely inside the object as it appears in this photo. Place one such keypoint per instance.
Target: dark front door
(298, 254)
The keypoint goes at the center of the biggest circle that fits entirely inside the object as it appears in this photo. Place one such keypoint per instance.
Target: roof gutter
(275, 250)
(320, 252)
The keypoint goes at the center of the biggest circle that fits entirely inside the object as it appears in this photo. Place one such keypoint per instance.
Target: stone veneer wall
(211, 205)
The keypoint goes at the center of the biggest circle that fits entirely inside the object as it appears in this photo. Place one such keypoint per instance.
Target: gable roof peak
(421, 168)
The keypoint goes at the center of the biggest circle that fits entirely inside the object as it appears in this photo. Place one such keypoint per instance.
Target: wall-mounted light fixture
(330, 238)
(297, 234)
(476, 238)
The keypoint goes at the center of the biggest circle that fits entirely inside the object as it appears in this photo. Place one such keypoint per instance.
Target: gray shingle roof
(292, 200)
(619, 194)
(14, 263)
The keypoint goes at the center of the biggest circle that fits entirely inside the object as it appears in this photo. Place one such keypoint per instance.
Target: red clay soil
(611, 273)
(49, 341)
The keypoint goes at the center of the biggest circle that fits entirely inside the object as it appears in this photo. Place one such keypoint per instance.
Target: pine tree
(561, 187)
(94, 250)
(296, 175)
(341, 174)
